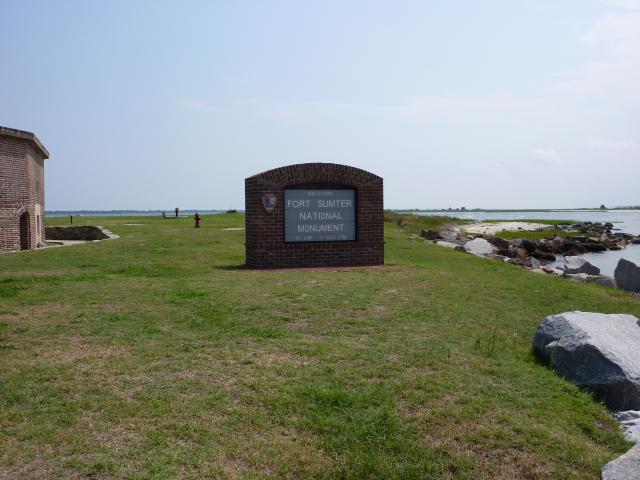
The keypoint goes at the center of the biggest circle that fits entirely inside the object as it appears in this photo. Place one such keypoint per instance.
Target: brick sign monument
(314, 215)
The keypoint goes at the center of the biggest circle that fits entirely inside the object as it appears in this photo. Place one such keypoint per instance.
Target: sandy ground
(493, 228)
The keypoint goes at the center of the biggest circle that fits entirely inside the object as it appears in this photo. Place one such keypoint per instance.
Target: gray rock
(506, 252)
(431, 234)
(552, 270)
(629, 415)
(498, 241)
(598, 352)
(578, 277)
(628, 275)
(603, 281)
(446, 244)
(520, 253)
(545, 246)
(478, 246)
(531, 262)
(528, 245)
(544, 256)
(578, 238)
(630, 421)
(449, 236)
(579, 265)
(626, 467)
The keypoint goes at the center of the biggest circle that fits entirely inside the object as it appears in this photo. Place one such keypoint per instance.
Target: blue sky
(499, 103)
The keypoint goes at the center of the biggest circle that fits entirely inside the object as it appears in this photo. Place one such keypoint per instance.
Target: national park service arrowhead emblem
(269, 201)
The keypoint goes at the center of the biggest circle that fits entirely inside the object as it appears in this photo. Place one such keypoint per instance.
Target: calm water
(627, 221)
(125, 213)
(607, 261)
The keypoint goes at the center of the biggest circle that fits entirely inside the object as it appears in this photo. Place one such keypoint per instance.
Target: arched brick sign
(314, 215)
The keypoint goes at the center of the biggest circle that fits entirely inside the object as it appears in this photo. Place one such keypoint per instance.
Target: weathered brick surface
(265, 245)
(21, 188)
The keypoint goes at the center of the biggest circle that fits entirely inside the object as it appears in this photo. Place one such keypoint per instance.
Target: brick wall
(21, 190)
(265, 246)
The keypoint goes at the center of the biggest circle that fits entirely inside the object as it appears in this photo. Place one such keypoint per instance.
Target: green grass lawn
(158, 355)
(412, 223)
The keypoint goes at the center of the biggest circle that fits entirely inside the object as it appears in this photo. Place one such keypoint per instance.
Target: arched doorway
(25, 234)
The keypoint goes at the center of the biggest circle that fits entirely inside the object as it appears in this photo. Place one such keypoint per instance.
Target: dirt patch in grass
(503, 464)
(39, 315)
(117, 437)
(456, 441)
(74, 350)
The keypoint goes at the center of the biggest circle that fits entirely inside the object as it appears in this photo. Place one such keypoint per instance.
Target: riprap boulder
(598, 352)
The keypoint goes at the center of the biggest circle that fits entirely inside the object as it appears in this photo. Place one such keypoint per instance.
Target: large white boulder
(626, 467)
(628, 275)
(579, 265)
(478, 246)
(599, 352)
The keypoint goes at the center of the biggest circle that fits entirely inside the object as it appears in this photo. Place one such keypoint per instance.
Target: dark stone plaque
(319, 215)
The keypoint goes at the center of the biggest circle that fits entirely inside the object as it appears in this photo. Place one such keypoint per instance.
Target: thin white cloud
(484, 105)
(600, 144)
(282, 110)
(418, 108)
(616, 71)
(547, 157)
(200, 105)
(630, 4)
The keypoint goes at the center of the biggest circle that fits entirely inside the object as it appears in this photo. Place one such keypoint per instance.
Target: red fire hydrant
(197, 219)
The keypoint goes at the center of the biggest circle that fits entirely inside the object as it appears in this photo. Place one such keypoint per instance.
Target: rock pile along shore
(538, 255)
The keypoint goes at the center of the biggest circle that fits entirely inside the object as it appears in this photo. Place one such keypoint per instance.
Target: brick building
(22, 159)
